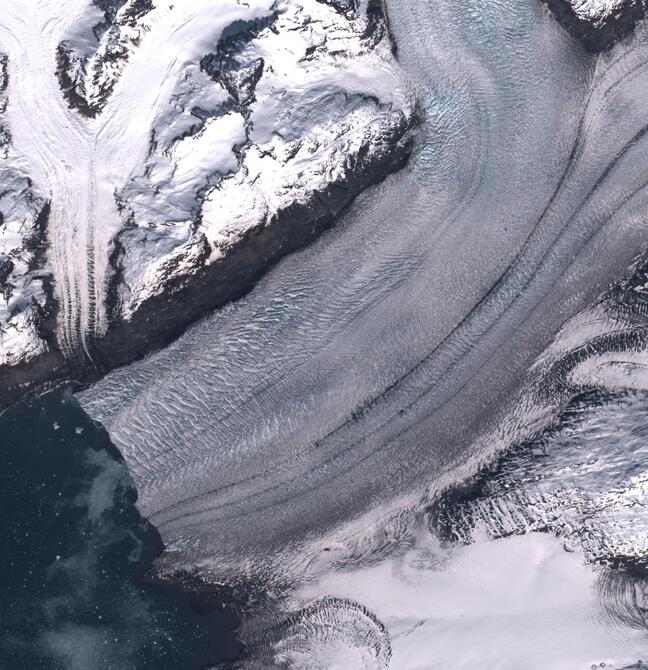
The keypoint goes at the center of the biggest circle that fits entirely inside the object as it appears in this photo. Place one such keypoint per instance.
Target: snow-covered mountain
(598, 23)
(157, 157)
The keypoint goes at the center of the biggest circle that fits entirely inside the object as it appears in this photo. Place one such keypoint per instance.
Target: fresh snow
(518, 602)
(596, 9)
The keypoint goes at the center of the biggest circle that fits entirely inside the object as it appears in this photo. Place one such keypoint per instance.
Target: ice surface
(371, 364)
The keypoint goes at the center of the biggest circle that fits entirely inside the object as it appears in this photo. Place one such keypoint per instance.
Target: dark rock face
(5, 133)
(166, 315)
(6, 268)
(228, 64)
(599, 34)
(72, 85)
(27, 304)
(188, 297)
(110, 7)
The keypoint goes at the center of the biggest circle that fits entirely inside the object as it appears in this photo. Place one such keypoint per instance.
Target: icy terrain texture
(585, 482)
(584, 478)
(308, 432)
(370, 365)
(144, 144)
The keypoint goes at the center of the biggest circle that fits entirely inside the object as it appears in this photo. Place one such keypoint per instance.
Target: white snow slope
(595, 9)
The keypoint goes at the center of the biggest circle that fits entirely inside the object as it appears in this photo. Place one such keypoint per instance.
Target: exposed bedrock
(90, 61)
(203, 286)
(583, 479)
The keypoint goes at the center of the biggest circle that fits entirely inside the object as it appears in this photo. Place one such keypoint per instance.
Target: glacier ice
(370, 365)
(297, 442)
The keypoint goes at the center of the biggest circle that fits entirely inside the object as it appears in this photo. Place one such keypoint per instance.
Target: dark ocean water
(74, 555)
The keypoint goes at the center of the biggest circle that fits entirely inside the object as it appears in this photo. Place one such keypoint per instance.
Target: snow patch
(593, 10)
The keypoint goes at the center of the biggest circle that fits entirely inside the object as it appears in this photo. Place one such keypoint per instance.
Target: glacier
(369, 366)
(379, 419)
(299, 443)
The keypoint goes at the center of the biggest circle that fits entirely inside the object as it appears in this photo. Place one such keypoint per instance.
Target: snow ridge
(88, 79)
(284, 104)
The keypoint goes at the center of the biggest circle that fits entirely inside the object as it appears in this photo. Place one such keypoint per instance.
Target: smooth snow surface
(520, 602)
